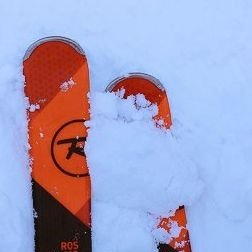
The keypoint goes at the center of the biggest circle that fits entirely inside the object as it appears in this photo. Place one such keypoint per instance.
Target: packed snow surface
(202, 53)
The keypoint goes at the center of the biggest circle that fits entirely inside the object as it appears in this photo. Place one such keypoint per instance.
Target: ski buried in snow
(56, 84)
(153, 90)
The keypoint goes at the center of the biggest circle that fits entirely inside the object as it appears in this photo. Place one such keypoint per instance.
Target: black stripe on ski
(57, 230)
(165, 248)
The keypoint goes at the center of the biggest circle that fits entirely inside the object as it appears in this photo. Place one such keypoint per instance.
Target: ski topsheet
(57, 84)
(153, 90)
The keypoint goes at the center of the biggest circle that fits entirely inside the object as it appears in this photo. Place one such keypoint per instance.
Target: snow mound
(136, 166)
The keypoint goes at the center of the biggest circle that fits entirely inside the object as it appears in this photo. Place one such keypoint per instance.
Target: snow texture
(66, 85)
(202, 53)
(136, 166)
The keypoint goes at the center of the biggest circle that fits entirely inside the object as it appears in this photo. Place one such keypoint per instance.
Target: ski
(56, 85)
(153, 90)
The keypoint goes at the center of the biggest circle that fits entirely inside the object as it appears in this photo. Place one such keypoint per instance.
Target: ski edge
(41, 41)
(149, 77)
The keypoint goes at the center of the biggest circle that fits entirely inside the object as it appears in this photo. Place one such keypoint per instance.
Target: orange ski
(153, 90)
(57, 84)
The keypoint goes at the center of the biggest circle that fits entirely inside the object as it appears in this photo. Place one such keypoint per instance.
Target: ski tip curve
(41, 41)
(145, 76)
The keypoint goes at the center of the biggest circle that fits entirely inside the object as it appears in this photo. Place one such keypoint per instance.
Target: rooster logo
(67, 149)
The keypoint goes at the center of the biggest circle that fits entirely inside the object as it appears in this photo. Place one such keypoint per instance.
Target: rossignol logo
(67, 149)
(69, 246)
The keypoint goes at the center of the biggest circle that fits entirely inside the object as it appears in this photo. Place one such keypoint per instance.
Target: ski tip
(39, 42)
(139, 75)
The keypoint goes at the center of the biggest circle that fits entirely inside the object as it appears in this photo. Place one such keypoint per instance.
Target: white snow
(135, 165)
(165, 237)
(34, 107)
(149, 167)
(202, 53)
(66, 85)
